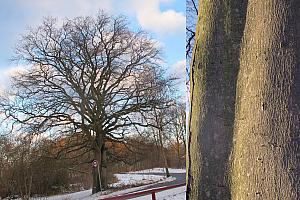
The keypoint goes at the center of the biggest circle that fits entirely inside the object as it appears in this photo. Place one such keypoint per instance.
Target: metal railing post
(142, 193)
(153, 196)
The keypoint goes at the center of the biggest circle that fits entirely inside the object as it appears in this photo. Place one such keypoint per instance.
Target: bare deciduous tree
(89, 76)
(178, 128)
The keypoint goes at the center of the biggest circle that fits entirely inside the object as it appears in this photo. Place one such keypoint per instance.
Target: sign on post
(95, 163)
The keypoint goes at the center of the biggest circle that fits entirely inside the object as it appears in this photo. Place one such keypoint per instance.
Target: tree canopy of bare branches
(88, 76)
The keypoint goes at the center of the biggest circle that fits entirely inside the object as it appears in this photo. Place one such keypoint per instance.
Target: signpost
(96, 164)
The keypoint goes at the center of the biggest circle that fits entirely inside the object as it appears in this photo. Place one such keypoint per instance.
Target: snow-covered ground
(136, 179)
(158, 170)
(86, 194)
(131, 179)
(172, 194)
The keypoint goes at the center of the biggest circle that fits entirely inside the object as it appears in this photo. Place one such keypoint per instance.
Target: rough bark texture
(96, 184)
(99, 151)
(163, 152)
(103, 172)
(213, 80)
(266, 156)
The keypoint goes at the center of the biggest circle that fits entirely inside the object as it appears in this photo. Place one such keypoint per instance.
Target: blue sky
(163, 19)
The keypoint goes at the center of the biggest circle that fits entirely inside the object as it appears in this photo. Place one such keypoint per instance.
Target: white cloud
(4, 81)
(150, 17)
(6, 73)
(178, 70)
(147, 12)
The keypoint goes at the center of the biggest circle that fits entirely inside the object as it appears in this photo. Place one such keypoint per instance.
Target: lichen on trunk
(213, 78)
(266, 161)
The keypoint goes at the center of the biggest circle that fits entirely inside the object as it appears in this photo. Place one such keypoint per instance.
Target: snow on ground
(72, 196)
(87, 194)
(123, 180)
(134, 189)
(158, 170)
(136, 179)
(172, 194)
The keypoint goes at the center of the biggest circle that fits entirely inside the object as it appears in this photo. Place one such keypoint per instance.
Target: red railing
(143, 193)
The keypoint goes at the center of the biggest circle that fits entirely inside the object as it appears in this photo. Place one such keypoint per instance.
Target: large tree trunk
(96, 184)
(213, 79)
(104, 175)
(266, 157)
(100, 175)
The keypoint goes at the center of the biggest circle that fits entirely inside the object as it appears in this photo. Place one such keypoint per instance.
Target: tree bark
(213, 79)
(163, 152)
(96, 183)
(178, 146)
(104, 182)
(100, 155)
(266, 156)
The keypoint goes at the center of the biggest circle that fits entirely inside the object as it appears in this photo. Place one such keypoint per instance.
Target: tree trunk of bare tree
(96, 183)
(157, 146)
(103, 172)
(100, 175)
(178, 146)
(266, 156)
(163, 152)
(213, 79)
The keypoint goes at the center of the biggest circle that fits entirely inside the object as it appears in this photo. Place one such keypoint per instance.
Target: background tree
(160, 122)
(5, 148)
(178, 128)
(89, 76)
(191, 20)
(159, 118)
(40, 166)
(213, 73)
(266, 162)
(28, 170)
